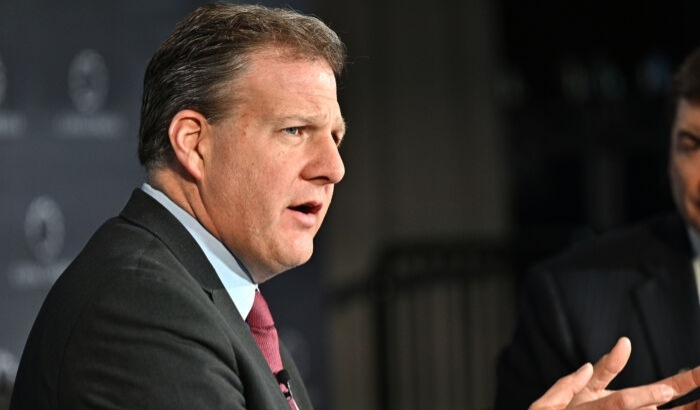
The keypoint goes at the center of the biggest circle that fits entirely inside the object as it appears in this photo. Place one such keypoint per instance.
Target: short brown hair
(207, 51)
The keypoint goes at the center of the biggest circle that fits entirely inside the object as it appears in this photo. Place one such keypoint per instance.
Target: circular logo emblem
(88, 81)
(44, 229)
(3, 81)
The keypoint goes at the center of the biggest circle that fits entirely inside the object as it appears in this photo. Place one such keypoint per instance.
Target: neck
(183, 190)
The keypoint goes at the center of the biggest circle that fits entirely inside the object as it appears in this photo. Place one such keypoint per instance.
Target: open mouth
(307, 208)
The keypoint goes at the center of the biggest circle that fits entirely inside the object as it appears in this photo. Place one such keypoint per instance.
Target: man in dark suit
(239, 135)
(240, 128)
(640, 282)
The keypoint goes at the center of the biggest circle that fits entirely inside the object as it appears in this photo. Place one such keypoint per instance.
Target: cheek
(676, 182)
(262, 186)
(688, 175)
(685, 181)
(229, 186)
(678, 170)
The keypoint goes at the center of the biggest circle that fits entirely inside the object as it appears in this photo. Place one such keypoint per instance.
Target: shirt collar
(231, 272)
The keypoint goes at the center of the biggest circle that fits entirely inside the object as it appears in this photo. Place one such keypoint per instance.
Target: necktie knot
(260, 316)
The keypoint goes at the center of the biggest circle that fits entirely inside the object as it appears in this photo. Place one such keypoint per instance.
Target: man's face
(272, 164)
(684, 162)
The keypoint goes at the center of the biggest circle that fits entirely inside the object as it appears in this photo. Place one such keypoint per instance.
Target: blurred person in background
(640, 281)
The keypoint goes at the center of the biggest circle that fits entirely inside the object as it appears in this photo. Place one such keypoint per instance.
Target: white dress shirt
(236, 280)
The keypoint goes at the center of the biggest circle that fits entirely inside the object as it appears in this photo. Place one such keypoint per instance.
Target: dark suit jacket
(140, 320)
(636, 282)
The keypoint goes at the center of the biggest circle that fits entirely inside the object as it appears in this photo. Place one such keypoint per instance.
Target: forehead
(280, 83)
(688, 112)
(285, 67)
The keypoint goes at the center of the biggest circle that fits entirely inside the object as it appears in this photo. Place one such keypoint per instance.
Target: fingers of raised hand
(635, 398)
(684, 382)
(560, 394)
(610, 365)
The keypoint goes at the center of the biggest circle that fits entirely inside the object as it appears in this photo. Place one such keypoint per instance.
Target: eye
(292, 130)
(688, 141)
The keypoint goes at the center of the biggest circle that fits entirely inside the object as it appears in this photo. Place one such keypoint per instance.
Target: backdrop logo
(88, 81)
(88, 89)
(44, 231)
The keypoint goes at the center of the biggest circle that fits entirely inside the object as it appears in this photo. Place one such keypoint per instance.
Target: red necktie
(262, 327)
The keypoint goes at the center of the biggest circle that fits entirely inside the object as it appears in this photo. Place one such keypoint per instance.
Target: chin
(303, 258)
(299, 260)
(295, 253)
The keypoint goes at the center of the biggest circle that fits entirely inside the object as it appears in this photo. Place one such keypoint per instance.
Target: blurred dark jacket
(636, 282)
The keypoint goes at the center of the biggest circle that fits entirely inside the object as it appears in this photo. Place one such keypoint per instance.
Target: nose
(326, 165)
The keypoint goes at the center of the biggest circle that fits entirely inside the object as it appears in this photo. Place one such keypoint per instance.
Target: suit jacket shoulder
(140, 320)
(660, 237)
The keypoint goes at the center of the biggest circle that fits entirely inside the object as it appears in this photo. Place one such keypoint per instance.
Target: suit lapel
(148, 213)
(668, 302)
(151, 215)
(300, 394)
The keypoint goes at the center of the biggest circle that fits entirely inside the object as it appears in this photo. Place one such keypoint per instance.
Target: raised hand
(585, 389)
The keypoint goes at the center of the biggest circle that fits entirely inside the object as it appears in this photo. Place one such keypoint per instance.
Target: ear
(187, 132)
